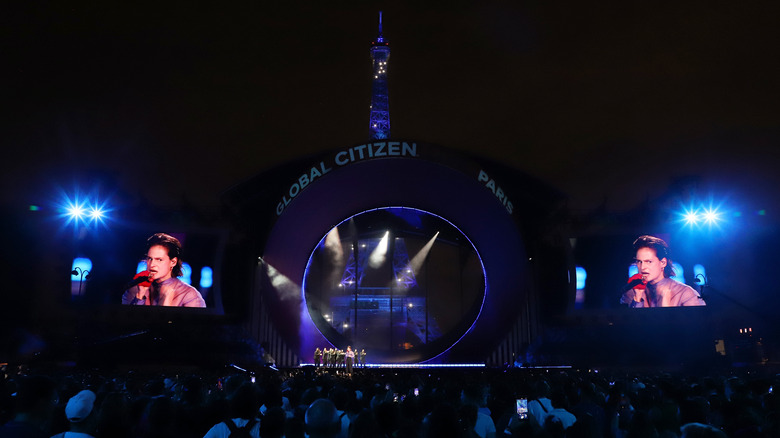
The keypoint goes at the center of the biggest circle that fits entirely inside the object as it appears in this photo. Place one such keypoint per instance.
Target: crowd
(313, 402)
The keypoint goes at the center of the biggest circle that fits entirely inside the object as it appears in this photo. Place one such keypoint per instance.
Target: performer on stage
(655, 267)
(362, 357)
(350, 356)
(163, 263)
(317, 357)
(326, 357)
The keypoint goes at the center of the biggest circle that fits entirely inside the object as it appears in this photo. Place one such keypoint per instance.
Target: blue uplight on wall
(81, 267)
(582, 276)
(679, 272)
(186, 273)
(699, 274)
(206, 277)
(79, 274)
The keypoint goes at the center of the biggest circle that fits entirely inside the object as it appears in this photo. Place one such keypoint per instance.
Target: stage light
(705, 216)
(379, 254)
(96, 213)
(82, 210)
(74, 212)
(417, 261)
(691, 217)
(712, 216)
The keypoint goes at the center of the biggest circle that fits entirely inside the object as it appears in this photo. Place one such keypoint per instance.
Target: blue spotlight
(96, 214)
(704, 217)
(81, 210)
(712, 216)
(75, 212)
(691, 217)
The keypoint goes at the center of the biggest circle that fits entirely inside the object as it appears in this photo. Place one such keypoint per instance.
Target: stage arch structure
(413, 251)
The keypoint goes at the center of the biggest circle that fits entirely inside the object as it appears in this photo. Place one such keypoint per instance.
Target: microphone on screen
(634, 282)
(143, 278)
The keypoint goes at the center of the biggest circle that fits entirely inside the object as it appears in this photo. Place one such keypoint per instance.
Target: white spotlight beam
(416, 262)
(379, 254)
(334, 252)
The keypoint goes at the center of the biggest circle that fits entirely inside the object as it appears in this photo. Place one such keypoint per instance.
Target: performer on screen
(655, 268)
(163, 288)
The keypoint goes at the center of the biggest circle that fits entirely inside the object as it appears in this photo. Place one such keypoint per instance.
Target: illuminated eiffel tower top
(379, 118)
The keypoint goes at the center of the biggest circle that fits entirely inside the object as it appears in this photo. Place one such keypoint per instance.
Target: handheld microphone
(142, 278)
(634, 283)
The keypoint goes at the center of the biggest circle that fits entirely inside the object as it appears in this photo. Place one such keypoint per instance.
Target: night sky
(609, 102)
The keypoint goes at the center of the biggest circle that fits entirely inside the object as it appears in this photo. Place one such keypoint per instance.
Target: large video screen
(106, 271)
(610, 274)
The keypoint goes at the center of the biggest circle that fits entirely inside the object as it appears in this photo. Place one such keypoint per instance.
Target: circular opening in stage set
(395, 281)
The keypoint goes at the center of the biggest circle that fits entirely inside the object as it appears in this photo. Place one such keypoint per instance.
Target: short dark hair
(172, 245)
(243, 402)
(661, 249)
(33, 389)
